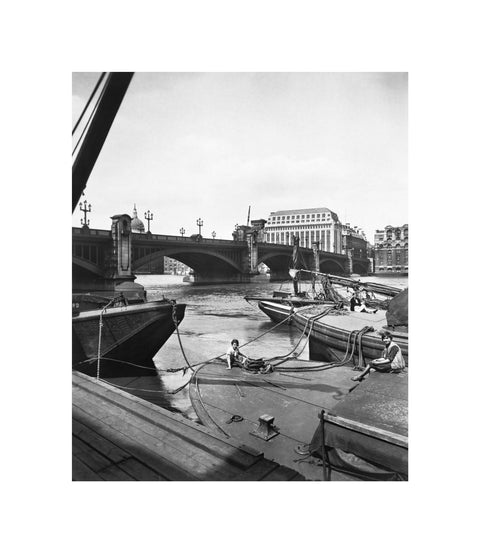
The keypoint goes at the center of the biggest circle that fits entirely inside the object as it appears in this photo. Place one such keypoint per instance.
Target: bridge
(102, 258)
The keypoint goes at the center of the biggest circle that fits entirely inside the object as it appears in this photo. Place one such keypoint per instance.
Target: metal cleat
(266, 429)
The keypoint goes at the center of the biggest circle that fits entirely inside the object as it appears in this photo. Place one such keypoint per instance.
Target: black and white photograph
(240, 276)
(228, 316)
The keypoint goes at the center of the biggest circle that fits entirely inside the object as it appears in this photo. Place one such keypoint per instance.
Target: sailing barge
(131, 333)
(332, 331)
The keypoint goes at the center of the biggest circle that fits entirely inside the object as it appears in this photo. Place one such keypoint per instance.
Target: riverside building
(391, 250)
(354, 239)
(318, 224)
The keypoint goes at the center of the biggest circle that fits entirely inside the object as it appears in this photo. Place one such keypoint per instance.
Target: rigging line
(197, 388)
(90, 359)
(91, 117)
(88, 102)
(269, 330)
(217, 357)
(309, 322)
(331, 365)
(135, 389)
(291, 353)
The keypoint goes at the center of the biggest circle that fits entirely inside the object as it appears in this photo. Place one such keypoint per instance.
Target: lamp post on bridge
(182, 231)
(148, 217)
(214, 234)
(85, 210)
(199, 225)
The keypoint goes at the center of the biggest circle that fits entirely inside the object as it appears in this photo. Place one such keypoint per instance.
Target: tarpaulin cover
(397, 313)
(371, 423)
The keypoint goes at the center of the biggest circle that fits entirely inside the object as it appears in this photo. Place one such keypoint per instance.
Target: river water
(213, 317)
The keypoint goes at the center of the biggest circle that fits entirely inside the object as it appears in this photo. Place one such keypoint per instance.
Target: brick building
(391, 250)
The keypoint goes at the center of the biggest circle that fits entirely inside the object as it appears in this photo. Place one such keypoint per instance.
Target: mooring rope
(309, 324)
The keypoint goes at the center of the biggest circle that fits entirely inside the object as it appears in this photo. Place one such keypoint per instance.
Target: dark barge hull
(329, 336)
(132, 333)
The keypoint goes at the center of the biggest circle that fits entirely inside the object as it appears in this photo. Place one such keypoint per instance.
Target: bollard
(266, 429)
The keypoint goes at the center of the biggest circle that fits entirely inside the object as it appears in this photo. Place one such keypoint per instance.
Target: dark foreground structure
(117, 436)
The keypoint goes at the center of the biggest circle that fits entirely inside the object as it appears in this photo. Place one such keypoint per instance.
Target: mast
(248, 218)
(108, 105)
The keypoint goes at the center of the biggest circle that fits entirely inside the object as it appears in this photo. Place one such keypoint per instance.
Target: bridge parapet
(96, 251)
(137, 237)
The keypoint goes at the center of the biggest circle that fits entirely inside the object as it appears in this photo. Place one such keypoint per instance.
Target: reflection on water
(214, 315)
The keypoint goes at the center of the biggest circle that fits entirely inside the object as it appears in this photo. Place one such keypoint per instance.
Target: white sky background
(189, 145)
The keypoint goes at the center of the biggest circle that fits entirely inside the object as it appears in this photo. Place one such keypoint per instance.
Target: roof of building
(301, 211)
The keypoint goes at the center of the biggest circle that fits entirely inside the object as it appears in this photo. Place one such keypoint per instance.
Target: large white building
(310, 225)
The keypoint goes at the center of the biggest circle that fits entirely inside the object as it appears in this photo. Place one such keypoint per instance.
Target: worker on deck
(391, 360)
(234, 357)
(358, 304)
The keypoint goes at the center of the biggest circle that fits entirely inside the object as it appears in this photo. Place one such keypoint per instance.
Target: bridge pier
(118, 276)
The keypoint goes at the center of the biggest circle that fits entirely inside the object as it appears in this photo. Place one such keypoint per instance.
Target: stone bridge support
(252, 252)
(119, 277)
(349, 262)
(316, 256)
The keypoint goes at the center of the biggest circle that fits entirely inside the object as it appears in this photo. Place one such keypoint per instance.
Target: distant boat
(190, 277)
(325, 289)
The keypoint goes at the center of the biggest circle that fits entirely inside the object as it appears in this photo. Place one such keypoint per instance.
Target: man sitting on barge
(391, 360)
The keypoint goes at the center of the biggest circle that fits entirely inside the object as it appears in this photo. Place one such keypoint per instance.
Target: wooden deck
(117, 436)
(293, 399)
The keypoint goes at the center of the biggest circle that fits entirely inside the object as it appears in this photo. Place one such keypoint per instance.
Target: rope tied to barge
(274, 362)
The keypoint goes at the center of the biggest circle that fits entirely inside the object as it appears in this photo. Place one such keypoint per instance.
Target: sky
(209, 145)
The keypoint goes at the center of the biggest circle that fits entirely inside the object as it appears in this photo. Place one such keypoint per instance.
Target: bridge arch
(360, 268)
(331, 266)
(278, 263)
(87, 266)
(202, 261)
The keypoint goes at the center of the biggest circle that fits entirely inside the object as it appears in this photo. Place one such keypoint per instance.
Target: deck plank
(115, 473)
(99, 442)
(174, 424)
(139, 471)
(119, 437)
(188, 455)
(89, 456)
(96, 461)
(82, 473)
(158, 463)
